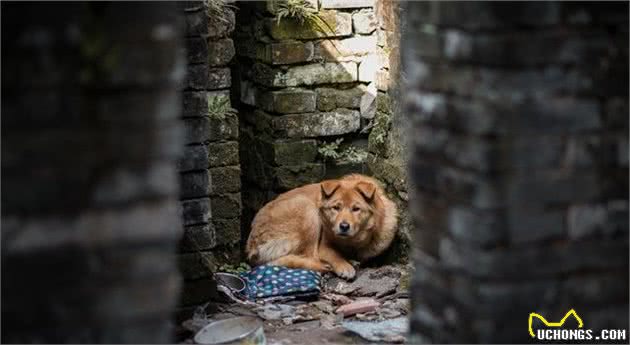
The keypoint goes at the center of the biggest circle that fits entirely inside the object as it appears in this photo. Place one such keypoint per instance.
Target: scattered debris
(368, 306)
(362, 306)
(387, 331)
(375, 282)
(275, 311)
(336, 299)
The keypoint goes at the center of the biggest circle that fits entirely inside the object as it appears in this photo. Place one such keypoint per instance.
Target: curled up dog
(320, 226)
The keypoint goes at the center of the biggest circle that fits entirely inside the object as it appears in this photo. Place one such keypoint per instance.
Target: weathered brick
(340, 49)
(364, 22)
(532, 224)
(287, 52)
(338, 122)
(329, 99)
(224, 129)
(196, 23)
(197, 50)
(289, 177)
(197, 130)
(194, 158)
(542, 260)
(220, 52)
(329, 24)
(226, 205)
(228, 230)
(222, 27)
(288, 101)
(482, 228)
(197, 77)
(195, 104)
(222, 154)
(347, 3)
(195, 184)
(313, 74)
(197, 238)
(225, 179)
(294, 152)
(219, 78)
(196, 211)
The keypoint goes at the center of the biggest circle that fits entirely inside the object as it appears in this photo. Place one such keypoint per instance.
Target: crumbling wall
(519, 166)
(210, 169)
(308, 91)
(90, 139)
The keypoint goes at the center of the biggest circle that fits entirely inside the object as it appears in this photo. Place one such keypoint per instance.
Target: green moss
(219, 107)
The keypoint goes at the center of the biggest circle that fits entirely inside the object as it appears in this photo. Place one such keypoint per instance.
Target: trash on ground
(362, 306)
(375, 282)
(386, 331)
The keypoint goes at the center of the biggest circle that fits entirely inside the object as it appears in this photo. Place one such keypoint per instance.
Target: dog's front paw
(345, 270)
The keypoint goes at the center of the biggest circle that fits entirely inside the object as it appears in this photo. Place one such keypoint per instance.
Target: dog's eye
(356, 209)
(336, 207)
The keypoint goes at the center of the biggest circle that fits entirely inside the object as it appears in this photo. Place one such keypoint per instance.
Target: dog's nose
(344, 227)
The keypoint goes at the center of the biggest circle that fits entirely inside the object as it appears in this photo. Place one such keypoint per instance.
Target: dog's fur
(301, 228)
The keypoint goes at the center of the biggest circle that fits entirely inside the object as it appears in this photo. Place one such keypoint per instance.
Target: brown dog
(317, 225)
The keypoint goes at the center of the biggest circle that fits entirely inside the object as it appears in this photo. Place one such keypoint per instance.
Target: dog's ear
(366, 189)
(329, 188)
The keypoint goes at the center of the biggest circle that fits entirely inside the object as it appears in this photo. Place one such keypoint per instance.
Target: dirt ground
(372, 308)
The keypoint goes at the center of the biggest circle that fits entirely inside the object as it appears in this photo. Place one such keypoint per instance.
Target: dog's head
(347, 208)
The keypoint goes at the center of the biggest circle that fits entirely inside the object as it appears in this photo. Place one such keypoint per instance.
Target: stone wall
(519, 166)
(210, 169)
(308, 94)
(90, 139)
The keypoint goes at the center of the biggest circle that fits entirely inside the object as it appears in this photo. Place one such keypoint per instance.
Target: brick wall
(305, 85)
(90, 140)
(210, 169)
(519, 166)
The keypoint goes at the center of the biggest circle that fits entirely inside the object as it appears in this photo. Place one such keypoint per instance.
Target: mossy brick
(338, 122)
(194, 184)
(195, 158)
(294, 152)
(196, 211)
(218, 78)
(312, 74)
(222, 154)
(196, 50)
(196, 130)
(197, 237)
(327, 24)
(228, 230)
(226, 205)
(220, 52)
(335, 49)
(224, 129)
(288, 101)
(329, 98)
(286, 52)
(224, 26)
(225, 179)
(289, 177)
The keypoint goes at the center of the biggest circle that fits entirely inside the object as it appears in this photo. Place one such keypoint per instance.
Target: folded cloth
(277, 281)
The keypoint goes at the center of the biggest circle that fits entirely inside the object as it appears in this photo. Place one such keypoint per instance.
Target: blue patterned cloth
(270, 281)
